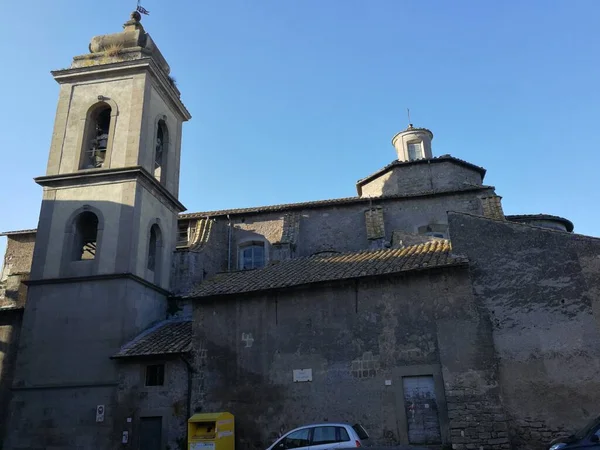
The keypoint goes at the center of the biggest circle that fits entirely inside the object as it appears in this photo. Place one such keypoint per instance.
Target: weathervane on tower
(141, 9)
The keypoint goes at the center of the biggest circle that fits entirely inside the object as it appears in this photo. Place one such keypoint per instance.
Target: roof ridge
(327, 202)
(550, 230)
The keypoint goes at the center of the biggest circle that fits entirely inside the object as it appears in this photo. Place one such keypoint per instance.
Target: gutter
(190, 371)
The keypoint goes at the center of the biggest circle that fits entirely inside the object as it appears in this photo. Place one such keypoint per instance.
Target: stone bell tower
(106, 232)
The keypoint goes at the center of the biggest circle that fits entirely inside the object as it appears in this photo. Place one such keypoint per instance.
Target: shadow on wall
(88, 239)
(239, 391)
(10, 325)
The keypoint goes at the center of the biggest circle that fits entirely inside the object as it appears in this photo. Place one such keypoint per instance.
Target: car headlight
(557, 446)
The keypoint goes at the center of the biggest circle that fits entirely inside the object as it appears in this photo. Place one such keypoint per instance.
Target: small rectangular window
(155, 375)
(415, 151)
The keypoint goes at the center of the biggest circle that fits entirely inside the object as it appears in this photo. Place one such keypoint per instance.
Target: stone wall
(360, 339)
(63, 369)
(541, 288)
(13, 296)
(15, 270)
(10, 327)
(340, 228)
(136, 400)
(421, 176)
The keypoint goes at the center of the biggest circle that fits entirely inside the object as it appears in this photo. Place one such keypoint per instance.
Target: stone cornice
(93, 176)
(102, 277)
(122, 68)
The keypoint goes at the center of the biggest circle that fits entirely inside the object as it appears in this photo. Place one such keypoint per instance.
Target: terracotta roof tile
(321, 268)
(164, 338)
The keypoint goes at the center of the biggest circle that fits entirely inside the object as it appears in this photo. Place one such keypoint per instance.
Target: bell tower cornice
(122, 68)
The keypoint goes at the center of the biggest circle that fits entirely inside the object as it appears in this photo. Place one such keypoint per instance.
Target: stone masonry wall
(353, 336)
(541, 288)
(15, 270)
(13, 296)
(10, 328)
(340, 228)
(135, 400)
(438, 175)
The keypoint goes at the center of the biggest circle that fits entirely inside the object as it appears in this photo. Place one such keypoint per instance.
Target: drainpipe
(228, 244)
(190, 371)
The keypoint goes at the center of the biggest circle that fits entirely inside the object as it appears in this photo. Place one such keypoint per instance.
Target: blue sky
(295, 100)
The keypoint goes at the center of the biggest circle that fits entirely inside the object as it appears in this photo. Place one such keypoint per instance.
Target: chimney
(492, 207)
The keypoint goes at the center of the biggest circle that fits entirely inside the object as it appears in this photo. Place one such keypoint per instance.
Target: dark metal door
(150, 433)
(421, 410)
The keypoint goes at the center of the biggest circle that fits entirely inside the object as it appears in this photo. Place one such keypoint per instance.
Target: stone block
(498, 441)
(500, 426)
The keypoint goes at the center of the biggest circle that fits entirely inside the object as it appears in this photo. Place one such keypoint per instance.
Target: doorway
(421, 410)
(150, 433)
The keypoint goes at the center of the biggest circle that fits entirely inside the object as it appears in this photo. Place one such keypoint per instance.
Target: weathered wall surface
(340, 228)
(15, 270)
(10, 327)
(413, 178)
(354, 337)
(63, 369)
(136, 400)
(13, 296)
(541, 288)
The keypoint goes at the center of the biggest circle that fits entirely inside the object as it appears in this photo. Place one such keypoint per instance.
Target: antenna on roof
(408, 114)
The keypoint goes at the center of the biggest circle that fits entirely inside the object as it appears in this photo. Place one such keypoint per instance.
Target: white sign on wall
(100, 413)
(302, 375)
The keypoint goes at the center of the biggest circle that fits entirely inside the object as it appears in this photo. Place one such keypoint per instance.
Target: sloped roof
(10, 233)
(322, 268)
(326, 203)
(437, 159)
(526, 217)
(165, 338)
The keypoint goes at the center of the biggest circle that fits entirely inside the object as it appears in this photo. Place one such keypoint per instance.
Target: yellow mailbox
(211, 431)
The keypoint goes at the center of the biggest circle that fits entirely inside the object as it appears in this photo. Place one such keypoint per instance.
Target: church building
(416, 308)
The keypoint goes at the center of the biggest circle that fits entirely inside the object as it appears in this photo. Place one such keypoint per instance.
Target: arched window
(85, 237)
(160, 152)
(252, 255)
(154, 244)
(95, 143)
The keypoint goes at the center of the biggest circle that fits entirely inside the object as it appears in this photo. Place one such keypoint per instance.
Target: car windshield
(586, 430)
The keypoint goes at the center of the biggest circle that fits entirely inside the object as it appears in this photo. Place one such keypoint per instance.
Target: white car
(322, 436)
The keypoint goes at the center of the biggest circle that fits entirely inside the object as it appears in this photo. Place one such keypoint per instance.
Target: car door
(299, 439)
(330, 437)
